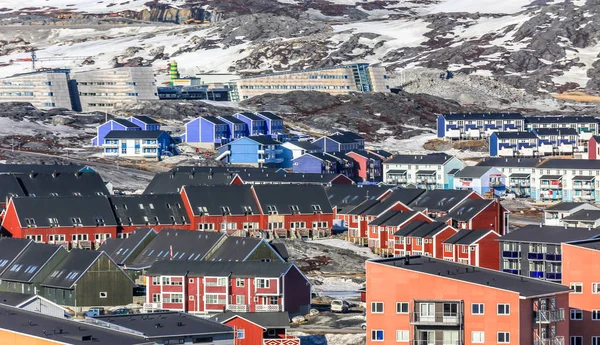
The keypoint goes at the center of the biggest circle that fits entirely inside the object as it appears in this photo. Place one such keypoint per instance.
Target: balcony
(584, 186)
(520, 184)
(551, 186)
(536, 274)
(550, 341)
(441, 318)
(511, 271)
(288, 340)
(554, 276)
(553, 257)
(267, 307)
(511, 254)
(535, 256)
(548, 316)
(238, 308)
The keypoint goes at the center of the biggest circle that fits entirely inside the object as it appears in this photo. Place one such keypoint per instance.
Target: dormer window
(100, 221)
(247, 210)
(151, 206)
(317, 209)
(141, 206)
(226, 211)
(76, 221)
(295, 208)
(53, 222)
(202, 210)
(271, 209)
(30, 222)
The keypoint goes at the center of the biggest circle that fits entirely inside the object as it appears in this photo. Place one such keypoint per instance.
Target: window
(576, 314)
(503, 309)
(477, 309)
(402, 336)
(503, 337)
(240, 334)
(376, 307)
(240, 299)
(401, 307)
(176, 298)
(448, 247)
(377, 335)
(263, 283)
(595, 340)
(596, 288)
(576, 340)
(156, 298)
(239, 282)
(221, 281)
(103, 294)
(478, 337)
(596, 314)
(191, 297)
(577, 288)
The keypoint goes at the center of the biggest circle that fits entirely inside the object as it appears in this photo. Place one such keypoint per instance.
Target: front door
(427, 338)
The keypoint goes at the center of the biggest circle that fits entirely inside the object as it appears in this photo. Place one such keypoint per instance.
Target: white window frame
(574, 286)
(595, 288)
(402, 336)
(573, 312)
(482, 341)
(481, 309)
(505, 336)
(595, 314)
(374, 308)
(374, 332)
(400, 304)
(506, 309)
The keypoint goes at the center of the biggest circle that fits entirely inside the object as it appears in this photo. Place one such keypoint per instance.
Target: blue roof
(555, 131)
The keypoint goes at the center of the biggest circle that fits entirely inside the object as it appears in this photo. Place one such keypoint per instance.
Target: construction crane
(33, 59)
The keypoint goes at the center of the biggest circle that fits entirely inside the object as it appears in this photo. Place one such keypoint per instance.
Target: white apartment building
(566, 180)
(555, 214)
(44, 90)
(102, 90)
(433, 171)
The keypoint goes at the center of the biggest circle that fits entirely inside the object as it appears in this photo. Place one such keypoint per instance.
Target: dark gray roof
(269, 115)
(467, 209)
(467, 237)
(428, 230)
(120, 249)
(306, 145)
(219, 269)
(225, 169)
(146, 119)
(10, 248)
(133, 134)
(150, 209)
(10, 186)
(452, 171)
(14, 299)
(31, 261)
(267, 320)
(187, 245)
(341, 138)
(403, 172)
(235, 249)
(363, 207)
(570, 164)
(62, 184)
(551, 177)
(590, 244)
(433, 158)
(560, 119)
(251, 116)
(403, 195)
(73, 332)
(565, 206)
(232, 119)
(349, 135)
(385, 216)
(321, 156)
(555, 131)
(409, 228)
(41, 168)
(349, 196)
(91, 211)
(440, 200)
(381, 153)
(284, 196)
(473, 171)
(583, 178)
(484, 116)
(281, 249)
(583, 215)
(550, 234)
(285, 178)
(238, 198)
(72, 268)
(510, 162)
(366, 154)
(214, 120)
(171, 324)
(172, 182)
(264, 140)
(525, 287)
(126, 123)
(520, 175)
(515, 135)
(426, 172)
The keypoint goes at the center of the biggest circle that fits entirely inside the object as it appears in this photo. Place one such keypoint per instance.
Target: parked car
(96, 311)
(363, 326)
(339, 306)
(122, 311)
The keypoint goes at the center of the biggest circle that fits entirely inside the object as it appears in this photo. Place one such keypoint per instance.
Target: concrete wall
(42, 90)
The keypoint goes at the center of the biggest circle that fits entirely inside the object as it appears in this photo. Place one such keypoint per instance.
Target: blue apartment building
(206, 129)
(584, 125)
(260, 151)
(341, 142)
(513, 144)
(146, 123)
(237, 127)
(256, 124)
(316, 163)
(113, 125)
(476, 126)
(274, 125)
(557, 141)
(138, 144)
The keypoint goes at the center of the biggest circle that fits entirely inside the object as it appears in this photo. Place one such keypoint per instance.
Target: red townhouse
(266, 328)
(382, 230)
(474, 247)
(594, 147)
(480, 214)
(214, 286)
(78, 222)
(439, 202)
(344, 198)
(158, 211)
(232, 209)
(421, 237)
(368, 166)
(301, 209)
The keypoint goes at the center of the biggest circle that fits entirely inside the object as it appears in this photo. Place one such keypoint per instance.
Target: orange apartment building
(421, 300)
(581, 272)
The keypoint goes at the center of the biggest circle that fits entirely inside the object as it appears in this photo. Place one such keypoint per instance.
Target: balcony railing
(436, 342)
(553, 276)
(512, 271)
(282, 341)
(238, 308)
(535, 256)
(550, 341)
(267, 307)
(553, 257)
(441, 318)
(549, 316)
(510, 254)
(536, 274)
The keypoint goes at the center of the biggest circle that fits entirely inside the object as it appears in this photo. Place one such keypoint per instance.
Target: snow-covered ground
(338, 243)
(415, 145)
(329, 339)
(90, 6)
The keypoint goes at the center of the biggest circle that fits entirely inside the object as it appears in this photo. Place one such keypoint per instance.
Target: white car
(363, 326)
(339, 306)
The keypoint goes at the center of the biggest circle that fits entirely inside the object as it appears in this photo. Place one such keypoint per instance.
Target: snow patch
(334, 242)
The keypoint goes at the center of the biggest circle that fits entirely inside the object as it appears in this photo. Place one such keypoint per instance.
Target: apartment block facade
(432, 171)
(44, 90)
(476, 126)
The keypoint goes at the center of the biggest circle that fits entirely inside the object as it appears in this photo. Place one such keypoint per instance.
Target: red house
(78, 222)
(368, 166)
(267, 328)
(594, 148)
(480, 214)
(214, 286)
(474, 247)
(382, 229)
(421, 237)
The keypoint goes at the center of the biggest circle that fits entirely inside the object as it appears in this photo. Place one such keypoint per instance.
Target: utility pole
(33, 58)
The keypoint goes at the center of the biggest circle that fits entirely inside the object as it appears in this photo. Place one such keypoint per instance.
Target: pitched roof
(62, 184)
(41, 168)
(439, 200)
(120, 249)
(341, 139)
(284, 196)
(468, 237)
(570, 164)
(473, 171)
(73, 332)
(483, 116)
(289, 178)
(583, 215)
(219, 268)
(10, 248)
(410, 228)
(381, 153)
(402, 195)
(468, 209)
(126, 123)
(217, 200)
(525, 287)
(187, 245)
(393, 218)
(266, 320)
(510, 162)
(567, 206)
(281, 249)
(251, 116)
(214, 120)
(320, 156)
(146, 119)
(560, 119)
(150, 209)
(236, 249)
(433, 158)
(366, 154)
(269, 115)
(349, 196)
(30, 262)
(10, 186)
(133, 134)
(305, 145)
(590, 244)
(14, 299)
(421, 229)
(555, 131)
(72, 268)
(172, 182)
(232, 119)
(172, 324)
(89, 211)
(515, 135)
(263, 140)
(550, 234)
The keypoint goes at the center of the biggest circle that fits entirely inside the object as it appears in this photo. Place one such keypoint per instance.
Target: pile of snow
(334, 284)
